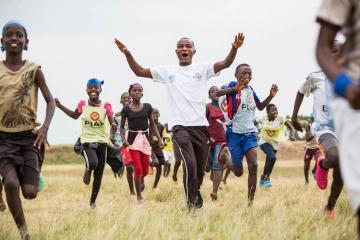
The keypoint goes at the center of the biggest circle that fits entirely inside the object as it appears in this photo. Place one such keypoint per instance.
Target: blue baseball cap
(94, 81)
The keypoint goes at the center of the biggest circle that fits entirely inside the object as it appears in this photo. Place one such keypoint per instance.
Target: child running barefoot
(271, 132)
(186, 84)
(312, 150)
(157, 151)
(241, 134)
(217, 139)
(21, 147)
(138, 115)
(125, 101)
(94, 133)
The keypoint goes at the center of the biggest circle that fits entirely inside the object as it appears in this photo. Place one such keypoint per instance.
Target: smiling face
(125, 99)
(272, 112)
(185, 51)
(14, 39)
(93, 92)
(212, 93)
(156, 114)
(244, 74)
(136, 92)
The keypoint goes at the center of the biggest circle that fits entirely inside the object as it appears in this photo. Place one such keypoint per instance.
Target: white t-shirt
(186, 87)
(317, 84)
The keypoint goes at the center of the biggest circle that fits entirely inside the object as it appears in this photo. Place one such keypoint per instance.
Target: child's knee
(238, 171)
(11, 184)
(130, 168)
(252, 165)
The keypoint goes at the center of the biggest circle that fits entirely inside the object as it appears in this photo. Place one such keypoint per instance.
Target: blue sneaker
(262, 183)
(267, 184)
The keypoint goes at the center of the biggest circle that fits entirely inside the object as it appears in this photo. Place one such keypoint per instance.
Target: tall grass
(289, 210)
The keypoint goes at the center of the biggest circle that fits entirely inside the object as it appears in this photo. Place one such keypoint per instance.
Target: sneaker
(268, 183)
(262, 183)
(87, 177)
(321, 175)
(329, 214)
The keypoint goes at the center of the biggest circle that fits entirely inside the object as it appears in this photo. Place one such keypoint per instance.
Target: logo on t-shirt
(171, 78)
(94, 116)
(270, 133)
(249, 97)
(197, 76)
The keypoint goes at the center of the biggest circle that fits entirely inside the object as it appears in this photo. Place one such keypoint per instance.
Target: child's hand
(239, 86)
(126, 143)
(353, 96)
(239, 40)
(212, 140)
(292, 138)
(113, 127)
(121, 46)
(57, 102)
(41, 137)
(274, 89)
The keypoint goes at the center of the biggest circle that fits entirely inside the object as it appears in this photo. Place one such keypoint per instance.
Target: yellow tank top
(95, 125)
(169, 145)
(18, 98)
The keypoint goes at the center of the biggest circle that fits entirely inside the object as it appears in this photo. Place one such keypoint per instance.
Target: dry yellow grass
(289, 210)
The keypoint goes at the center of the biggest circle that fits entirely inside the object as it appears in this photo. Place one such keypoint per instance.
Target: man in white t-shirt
(324, 130)
(186, 85)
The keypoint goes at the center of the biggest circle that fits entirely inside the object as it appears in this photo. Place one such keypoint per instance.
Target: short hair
(123, 94)
(186, 38)
(241, 65)
(270, 105)
(133, 85)
(210, 89)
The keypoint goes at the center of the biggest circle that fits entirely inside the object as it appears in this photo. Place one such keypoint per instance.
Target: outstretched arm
(238, 42)
(263, 104)
(41, 137)
(73, 114)
(298, 100)
(135, 67)
(239, 85)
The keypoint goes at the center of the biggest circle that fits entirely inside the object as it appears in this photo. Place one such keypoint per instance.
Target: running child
(157, 152)
(323, 127)
(241, 134)
(168, 150)
(216, 130)
(186, 84)
(94, 136)
(312, 150)
(344, 16)
(273, 127)
(139, 116)
(21, 145)
(125, 100)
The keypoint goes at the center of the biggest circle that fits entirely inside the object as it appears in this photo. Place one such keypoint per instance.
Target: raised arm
(223, 92)
(135, 67)
(298, 100)
(272, 94)
(41, 137)
(238, 42)
(73, 114)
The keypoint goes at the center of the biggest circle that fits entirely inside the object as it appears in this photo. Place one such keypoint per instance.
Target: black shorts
(17, 152)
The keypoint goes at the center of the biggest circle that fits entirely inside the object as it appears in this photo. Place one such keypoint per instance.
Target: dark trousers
(270, 158)
(95, 158)
(193, 143)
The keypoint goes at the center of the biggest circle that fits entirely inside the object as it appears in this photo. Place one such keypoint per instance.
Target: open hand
(239, 40)
(121, 46)
(274, 89)
(41, 137)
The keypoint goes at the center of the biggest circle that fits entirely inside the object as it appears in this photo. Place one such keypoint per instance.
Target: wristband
(341, 83)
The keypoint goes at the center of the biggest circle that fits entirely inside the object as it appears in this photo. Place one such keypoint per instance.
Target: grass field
(289, 210)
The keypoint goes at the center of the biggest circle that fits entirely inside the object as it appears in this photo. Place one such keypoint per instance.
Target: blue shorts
(213, 158)
(239, 144)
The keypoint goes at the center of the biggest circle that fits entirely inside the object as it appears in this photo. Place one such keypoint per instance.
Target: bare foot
(213, 196)
(140, 199)
(93, 205)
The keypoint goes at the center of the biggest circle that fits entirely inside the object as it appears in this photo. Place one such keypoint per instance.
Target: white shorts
(347, 125)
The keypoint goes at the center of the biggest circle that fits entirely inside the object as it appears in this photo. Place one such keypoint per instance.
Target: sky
(74, 41)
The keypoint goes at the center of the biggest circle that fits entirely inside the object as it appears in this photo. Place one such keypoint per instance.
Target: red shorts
(125, 153)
